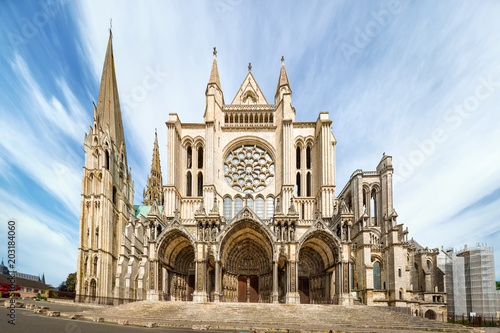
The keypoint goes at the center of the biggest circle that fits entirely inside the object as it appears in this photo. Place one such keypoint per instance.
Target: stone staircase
(356, 318)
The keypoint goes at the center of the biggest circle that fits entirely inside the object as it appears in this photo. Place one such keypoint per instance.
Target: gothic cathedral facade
(248, 211)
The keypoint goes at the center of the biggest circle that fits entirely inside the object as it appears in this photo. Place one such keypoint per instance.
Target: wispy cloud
(43, 152)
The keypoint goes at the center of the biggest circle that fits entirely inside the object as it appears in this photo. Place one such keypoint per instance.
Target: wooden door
(242, 288)
(190, 287)
(304, 289)
(254, 288)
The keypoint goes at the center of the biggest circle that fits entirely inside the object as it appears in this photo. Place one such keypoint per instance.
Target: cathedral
(248, 211)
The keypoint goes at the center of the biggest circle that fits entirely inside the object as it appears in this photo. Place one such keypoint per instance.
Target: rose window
(249, 168)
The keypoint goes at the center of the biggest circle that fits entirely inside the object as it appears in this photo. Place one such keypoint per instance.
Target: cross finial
(110, 26)
(249, 66)
(215, 51)
(282, 59)
(156, 131)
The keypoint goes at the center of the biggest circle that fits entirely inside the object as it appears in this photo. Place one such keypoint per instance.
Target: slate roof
(25, 282)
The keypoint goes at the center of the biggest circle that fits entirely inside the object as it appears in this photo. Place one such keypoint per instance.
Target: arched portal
(176, 271)
(429, 314)
(246, 258)
(318, 256)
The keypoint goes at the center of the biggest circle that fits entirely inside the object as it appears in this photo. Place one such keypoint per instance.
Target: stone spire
(214, 74)
(283, 79)
(107, 111)
(153, 191)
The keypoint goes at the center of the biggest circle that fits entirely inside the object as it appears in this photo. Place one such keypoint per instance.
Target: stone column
(333, 291)
(217, 282)
(326, 279)
(292, 296)
(153, 294)
(275, 294)
(200, 293)
(166, 285)
(366, 196)
(248, 289)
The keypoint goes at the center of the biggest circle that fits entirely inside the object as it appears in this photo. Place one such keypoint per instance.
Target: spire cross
(110, 26)
(249, 66)
(215, 52)
(282, 59)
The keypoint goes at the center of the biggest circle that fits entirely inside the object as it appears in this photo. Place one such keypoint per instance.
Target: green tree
(71, 282)
(498, 285)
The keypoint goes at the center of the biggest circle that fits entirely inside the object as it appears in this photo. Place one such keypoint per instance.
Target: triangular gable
(249, 88)
(246, 213)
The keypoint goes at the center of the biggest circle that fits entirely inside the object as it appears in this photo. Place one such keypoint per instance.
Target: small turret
(213, 92)
(284, 93)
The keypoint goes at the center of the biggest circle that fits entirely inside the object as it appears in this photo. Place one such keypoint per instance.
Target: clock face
(248, 168)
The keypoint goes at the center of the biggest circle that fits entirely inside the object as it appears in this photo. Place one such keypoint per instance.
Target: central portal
(248, 288)
(246, 264)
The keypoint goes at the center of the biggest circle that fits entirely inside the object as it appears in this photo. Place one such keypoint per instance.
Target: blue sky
(418, 80)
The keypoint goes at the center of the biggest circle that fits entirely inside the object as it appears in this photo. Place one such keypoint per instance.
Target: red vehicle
(6, 292)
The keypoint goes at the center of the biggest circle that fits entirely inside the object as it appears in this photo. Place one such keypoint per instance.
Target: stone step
(304, 316)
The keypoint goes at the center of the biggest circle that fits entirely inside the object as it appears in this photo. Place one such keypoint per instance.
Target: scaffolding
(470, 281)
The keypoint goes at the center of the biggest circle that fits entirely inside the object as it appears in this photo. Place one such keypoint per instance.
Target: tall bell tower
(107, 192)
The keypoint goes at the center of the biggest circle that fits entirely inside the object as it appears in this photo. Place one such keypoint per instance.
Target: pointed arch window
(250, 202)
(189, 181)
(259, 207)
(308, 184)
(95, 266)
(200, 158)
(297, 186)
(297, 156)
(269, 207)
(227, 208)
(308, 157)
(373, 206)
(106, 159)
(114, 195)
(416, 275)
(93, 289)
(377, 285)
(189, 161)
(238, 205)
(200, 184)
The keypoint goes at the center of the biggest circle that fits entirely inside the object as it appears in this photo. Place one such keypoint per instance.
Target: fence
(474, 321)
(103, 300)
(62, 294)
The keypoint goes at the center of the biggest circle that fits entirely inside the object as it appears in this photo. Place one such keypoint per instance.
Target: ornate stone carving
(215, 208)
(291, 209)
